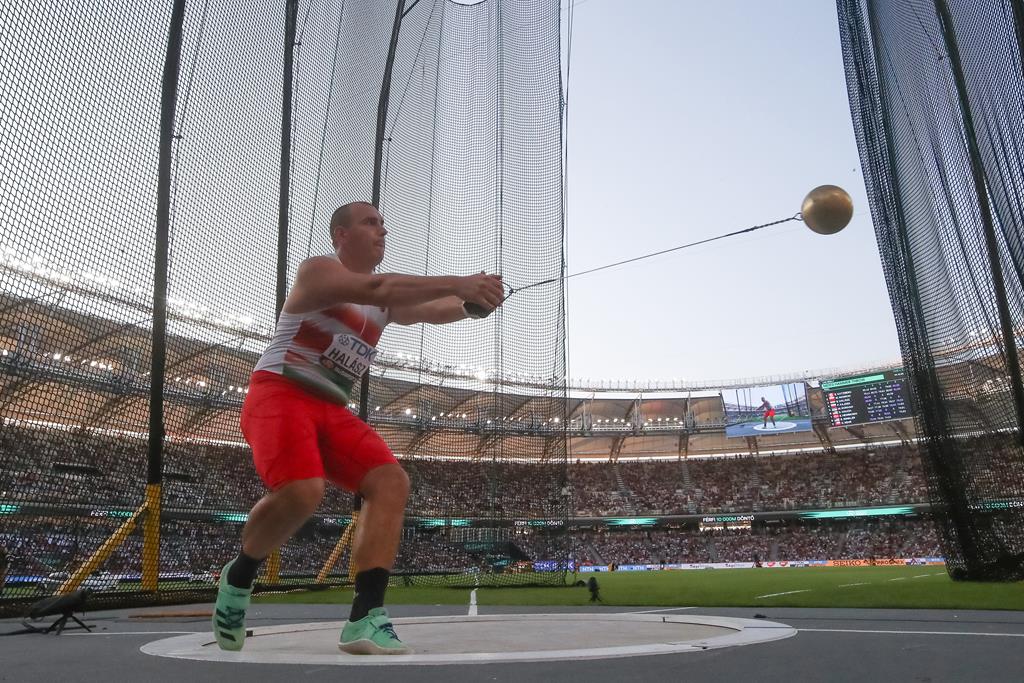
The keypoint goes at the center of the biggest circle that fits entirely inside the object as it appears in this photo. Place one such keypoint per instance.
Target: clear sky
(688, 120)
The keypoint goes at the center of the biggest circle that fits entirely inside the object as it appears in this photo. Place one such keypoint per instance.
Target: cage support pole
(378, 156)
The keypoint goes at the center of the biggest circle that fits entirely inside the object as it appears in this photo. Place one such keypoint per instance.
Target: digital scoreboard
(867, 398)
(732, 522)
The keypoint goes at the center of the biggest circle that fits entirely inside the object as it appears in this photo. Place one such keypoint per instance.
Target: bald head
(342, 216)
(358, 236)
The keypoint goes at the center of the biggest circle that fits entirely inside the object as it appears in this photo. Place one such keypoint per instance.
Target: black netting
(936, 96)
(470, 180)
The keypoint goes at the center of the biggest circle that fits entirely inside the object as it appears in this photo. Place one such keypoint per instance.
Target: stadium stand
(38, 467)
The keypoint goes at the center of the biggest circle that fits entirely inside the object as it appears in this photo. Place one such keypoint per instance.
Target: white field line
(921, 576)
(862, 583)
(772, 595)
(132, 633)
(472, 603)
(667, 609)
(913, 633)
(939, 574)
(899, 578)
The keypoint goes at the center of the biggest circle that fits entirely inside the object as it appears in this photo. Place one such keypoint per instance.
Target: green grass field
(897, 587)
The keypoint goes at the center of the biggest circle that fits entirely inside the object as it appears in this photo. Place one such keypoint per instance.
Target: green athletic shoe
(229, 613)
(371, 635)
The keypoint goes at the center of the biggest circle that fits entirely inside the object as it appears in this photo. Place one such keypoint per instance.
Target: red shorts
(769, 413)
(295, 435)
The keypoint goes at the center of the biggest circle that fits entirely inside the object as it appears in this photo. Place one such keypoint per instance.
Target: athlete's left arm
(437, 312)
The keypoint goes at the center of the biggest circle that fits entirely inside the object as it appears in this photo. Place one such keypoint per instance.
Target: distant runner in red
(769, 412)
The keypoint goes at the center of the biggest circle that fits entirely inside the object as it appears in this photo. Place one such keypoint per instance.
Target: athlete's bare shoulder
(323, 281)
(317, 263)
(311, 277)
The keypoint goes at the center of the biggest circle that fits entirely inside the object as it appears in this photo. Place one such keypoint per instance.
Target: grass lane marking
(920, 576)
(772, 595)
(900, 578)
(667, 609)
(862, 583)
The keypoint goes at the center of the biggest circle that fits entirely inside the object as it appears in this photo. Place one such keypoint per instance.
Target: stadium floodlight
(408, 411)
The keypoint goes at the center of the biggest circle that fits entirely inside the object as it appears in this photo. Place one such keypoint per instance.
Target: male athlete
(769, 412)
(302, 434)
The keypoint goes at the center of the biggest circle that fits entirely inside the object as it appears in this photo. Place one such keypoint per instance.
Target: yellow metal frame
(150, 508)
(150, 545)
(151, 539)
(344, 542)
(271, 573)
(352, 569)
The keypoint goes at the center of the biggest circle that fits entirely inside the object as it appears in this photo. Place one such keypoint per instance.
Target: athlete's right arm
(323, 282)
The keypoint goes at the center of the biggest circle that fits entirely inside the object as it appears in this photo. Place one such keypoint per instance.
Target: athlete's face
(362, 240)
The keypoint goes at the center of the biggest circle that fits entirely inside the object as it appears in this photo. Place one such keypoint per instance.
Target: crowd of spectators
(880, 539)
(595, 491)
(642, 547)
(742, 546)
(77, 467)
(106, 470)
(43, 546)
(795, 542)
(747, 483)
(656, 488)
(807, 542)
(432, 554)
(849, 478)
(484, 488)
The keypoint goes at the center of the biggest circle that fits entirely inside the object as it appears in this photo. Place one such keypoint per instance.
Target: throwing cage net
(164, 168)
(936, 95)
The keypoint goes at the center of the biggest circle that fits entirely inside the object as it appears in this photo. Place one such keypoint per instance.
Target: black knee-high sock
(370, 587)
(243, 571)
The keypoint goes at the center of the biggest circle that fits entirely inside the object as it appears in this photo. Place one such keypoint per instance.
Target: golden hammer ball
(827, 209)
